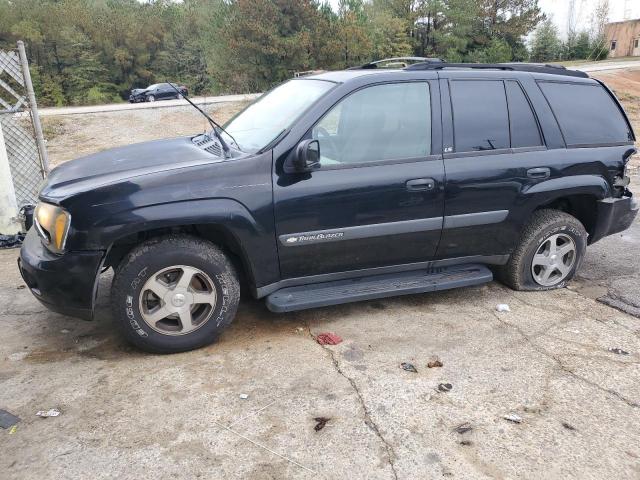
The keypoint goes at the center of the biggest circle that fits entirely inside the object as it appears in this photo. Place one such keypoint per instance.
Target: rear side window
(480, 116)
(524, 128)
(586, 113)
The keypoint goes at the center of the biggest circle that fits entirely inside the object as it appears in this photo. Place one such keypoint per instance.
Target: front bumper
(66, 283)
(615, 215)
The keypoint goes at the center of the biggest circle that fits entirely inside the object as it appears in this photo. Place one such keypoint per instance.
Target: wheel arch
(225, 223)
(576, 195)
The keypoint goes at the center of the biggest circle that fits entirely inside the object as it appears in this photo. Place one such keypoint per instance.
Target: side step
(377, 286)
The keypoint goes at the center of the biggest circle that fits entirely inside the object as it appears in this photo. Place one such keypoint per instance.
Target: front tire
(174, 293)
(550, 251)
(151, 98)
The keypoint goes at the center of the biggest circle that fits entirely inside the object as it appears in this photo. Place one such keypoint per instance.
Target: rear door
(493, 148)
(377, 198)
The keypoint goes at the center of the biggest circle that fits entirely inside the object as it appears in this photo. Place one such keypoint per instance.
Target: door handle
(539, 172)
(421, 184)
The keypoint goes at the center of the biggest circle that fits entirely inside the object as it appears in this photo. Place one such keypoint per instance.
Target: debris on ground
(244, 396)
(13, 430)
(320, 423)
(466, 443)
(21, 287)
(434, 362)
(328, 338)
(409, 367)
(503, 307)
(568, 426)
(54, 412)
(463, 428)
(8, 420)
(445, 387)
(618, 351)
(11, 241)
(513, 417)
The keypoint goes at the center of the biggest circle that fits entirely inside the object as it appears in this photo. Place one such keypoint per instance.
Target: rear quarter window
(586, 113)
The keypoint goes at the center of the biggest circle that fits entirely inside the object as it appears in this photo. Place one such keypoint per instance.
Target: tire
(526, 270)
(151, 98)
(158, 265)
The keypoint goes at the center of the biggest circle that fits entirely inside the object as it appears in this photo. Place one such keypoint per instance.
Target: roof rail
(379, 63)
(517, 67)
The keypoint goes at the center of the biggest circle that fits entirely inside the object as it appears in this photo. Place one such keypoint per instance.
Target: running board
(377, 286)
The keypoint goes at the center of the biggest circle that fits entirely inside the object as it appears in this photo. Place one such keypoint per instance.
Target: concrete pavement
(129, 415)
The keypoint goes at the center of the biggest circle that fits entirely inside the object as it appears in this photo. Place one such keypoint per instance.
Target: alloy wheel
(554, 259)
(177, 300)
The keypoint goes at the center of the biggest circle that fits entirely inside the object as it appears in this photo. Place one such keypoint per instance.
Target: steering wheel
(333, 146)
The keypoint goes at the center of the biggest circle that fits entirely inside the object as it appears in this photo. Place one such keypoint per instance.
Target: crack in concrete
(367, 413)
(563, 367)
(613, 300)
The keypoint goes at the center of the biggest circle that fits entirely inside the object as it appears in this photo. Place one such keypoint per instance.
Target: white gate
(24, 154)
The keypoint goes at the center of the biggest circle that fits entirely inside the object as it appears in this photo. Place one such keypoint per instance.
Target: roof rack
(517, 67)
(380, 63)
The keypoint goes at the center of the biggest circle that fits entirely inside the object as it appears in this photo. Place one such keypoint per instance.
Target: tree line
(95, 51)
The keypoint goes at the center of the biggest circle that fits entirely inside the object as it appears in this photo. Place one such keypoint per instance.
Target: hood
(137, 91)
(117, 164)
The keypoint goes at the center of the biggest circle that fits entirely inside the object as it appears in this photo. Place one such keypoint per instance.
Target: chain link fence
(26, 162)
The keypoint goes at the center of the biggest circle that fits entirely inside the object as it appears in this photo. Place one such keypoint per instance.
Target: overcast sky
(559, 10)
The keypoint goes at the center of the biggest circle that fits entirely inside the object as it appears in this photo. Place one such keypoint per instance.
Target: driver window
(383, 122)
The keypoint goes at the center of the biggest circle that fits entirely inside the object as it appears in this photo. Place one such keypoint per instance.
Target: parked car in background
(157, 91)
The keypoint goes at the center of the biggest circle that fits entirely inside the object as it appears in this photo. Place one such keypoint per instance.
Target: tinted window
(480, 118)
(383, 122)
(586, 113)
(524, 128)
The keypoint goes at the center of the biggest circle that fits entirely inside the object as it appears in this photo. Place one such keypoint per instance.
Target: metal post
(44, 158)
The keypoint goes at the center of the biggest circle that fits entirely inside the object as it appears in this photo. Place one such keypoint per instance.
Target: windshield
(262, 121)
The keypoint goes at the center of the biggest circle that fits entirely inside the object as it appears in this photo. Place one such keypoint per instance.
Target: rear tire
(174, 293)
(550, 251)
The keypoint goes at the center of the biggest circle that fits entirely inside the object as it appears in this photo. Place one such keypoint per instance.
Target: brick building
(623, 38)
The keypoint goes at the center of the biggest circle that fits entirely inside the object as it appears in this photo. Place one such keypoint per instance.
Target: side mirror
(306, 157)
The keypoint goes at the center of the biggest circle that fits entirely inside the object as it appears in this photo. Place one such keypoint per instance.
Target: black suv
(158, 91)
(339, 187)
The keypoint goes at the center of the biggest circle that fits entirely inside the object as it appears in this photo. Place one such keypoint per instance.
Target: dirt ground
(566, 363)
(73, 136)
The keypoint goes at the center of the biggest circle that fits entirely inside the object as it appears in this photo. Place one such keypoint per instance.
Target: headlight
(52, 223)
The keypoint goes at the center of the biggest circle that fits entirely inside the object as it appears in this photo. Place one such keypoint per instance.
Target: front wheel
(549, 253)
(174, 293)
(151, 98)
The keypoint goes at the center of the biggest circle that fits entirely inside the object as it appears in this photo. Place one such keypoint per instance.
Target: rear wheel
(174, 293)
(549, 253)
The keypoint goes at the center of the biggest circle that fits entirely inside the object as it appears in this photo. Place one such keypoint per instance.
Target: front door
(377, 199)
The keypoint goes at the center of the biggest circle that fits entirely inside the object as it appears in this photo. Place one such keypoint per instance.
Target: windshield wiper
(214, 125)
